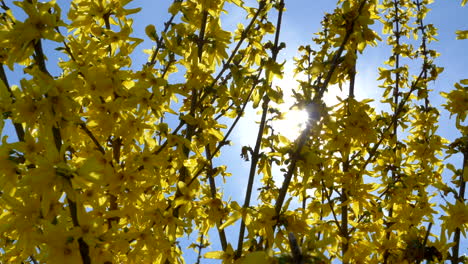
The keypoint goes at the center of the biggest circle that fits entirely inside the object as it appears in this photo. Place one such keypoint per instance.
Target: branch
(461, 198)
(193, 106)
(222, 234)
(224, 141)
(335, 61)
(346, 164)
(200, 247)
(330, 202)
(423, 46)
(33, 259)
(93, 138)
(373, 151)
(253, 168)
(83, 246)
(298, 258)
(113, 205)
(234, 52)
(210, 89)
(160, 40)
(201, 38)
(304, 134)
(18, 127)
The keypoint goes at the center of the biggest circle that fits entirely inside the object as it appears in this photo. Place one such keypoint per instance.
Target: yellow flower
(457, 100)
(227, 256)
(41, 23)
(456, 217)
(61, 245)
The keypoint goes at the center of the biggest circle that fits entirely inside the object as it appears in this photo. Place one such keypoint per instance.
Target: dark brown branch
(252, 172)
(224, 141)
(372, 153)
(296, 252)
(160, 41)
(190, 130)
(200, 247)
(39, 57)
(161, 148)
(419, 20)
(304, 134)
(83, 246)
(335, 61)
(93, 138)
(460, 198)
(221, 233)
(210, 89)
(234, 52)
(18, 127)
(201, 38)
(332, 207)
(113, 205)
(344, 191)
(33, 260)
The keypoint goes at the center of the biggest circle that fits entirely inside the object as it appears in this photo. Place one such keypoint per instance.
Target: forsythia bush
(102, 172)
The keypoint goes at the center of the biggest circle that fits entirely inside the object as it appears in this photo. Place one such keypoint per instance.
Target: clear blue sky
(301, 20)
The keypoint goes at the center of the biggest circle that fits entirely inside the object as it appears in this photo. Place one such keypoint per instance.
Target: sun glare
(292, 124)
(294, 121)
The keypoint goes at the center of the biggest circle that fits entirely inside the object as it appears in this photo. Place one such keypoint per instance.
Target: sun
(292, 124)
(295, 120)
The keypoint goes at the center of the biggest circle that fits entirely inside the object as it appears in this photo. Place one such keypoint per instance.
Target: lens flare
(292, 124)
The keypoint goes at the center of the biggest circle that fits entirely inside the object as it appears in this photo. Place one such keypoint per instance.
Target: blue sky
(301, 21)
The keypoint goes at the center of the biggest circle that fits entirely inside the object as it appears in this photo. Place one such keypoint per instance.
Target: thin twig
(335, 61)
(298, 258)
(460, 198)
(93, 138)
(200, 247)
(331, 204)
(210, 89)
(83, 246)
(18, 127)
(252, 172)
(372, 153)
(221, 233)
(226, 64)
(224, 141)
(190, 130)
(33, 260)
(304, 134)
(160, 40)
